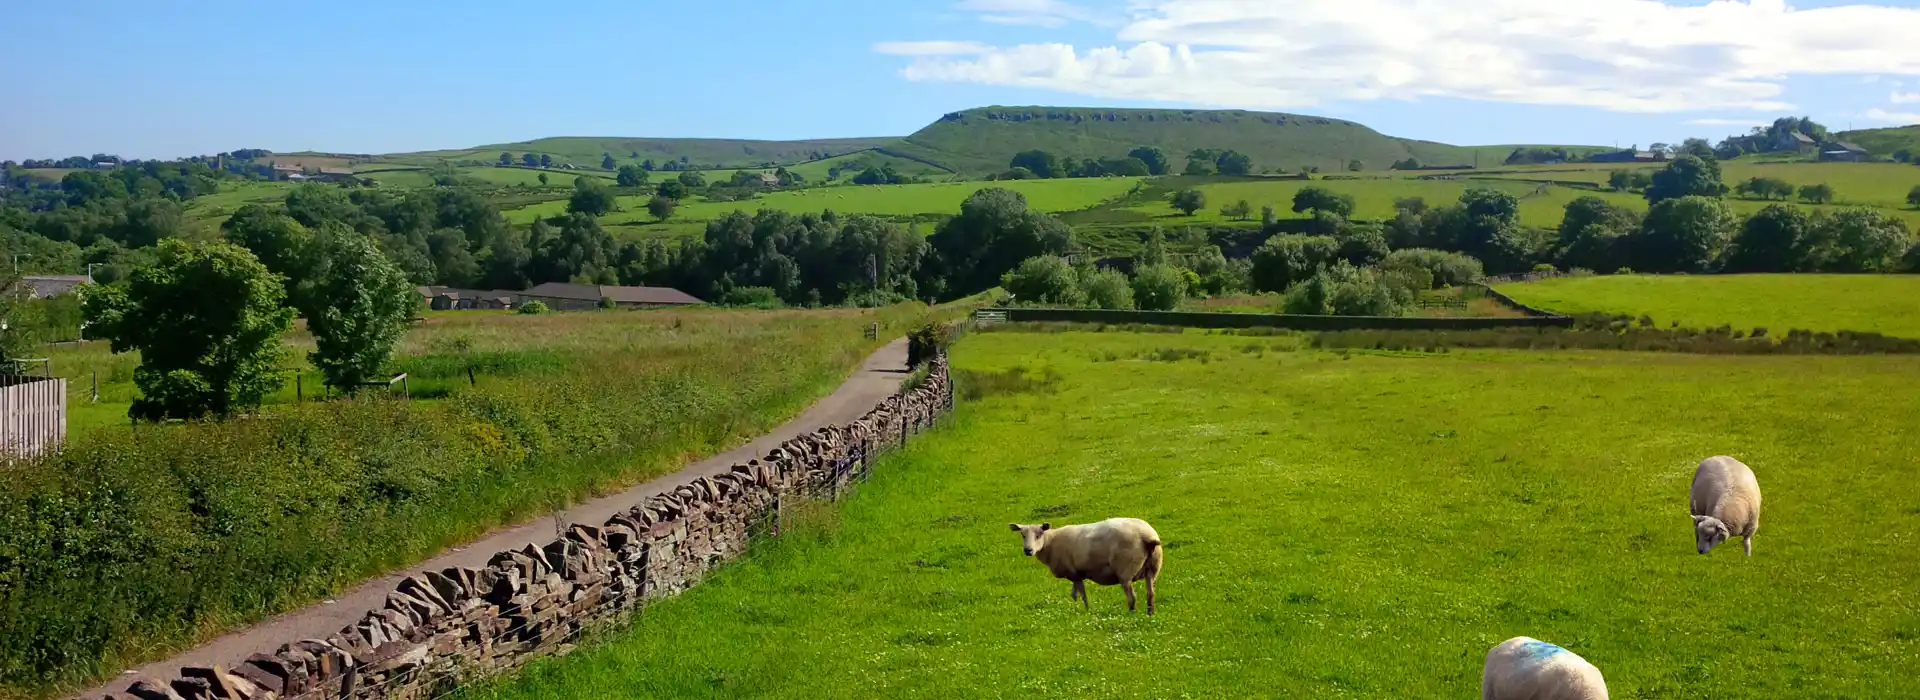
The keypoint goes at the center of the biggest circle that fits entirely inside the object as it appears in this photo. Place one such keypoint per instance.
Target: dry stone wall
(441, 628)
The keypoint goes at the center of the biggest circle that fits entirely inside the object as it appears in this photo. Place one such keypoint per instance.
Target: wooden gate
(33, 415)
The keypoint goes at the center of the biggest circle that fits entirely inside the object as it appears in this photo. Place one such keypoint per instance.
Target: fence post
(470, 380)
(299, 388)
(96, 386)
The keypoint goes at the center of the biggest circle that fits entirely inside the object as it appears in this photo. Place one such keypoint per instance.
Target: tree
(1862, 240)
(693, 180)
(648, 165)
(1769, 241)
(1285, 260)
(1698, 148)
(672, 189)
(1681, 235)
(661, 207)
(1592, 235)
(606, 161)
(1238, 210)
(1617, 180)
(275, 239)
(1189, 201)
(1155, 159)
(18, 338)
(357, 303)
(506, 158)
(530, 160)
(1042, 163)
(1903, 156)
(993, 233)
(1154, 250)
(1159, 287)
(1046, 280)
(1318, 199)
(1686, 176)
(546, 161)
(1354, 166)
(1234, 163)
(1345, 290)
(543, 179)
(1107, 289)
(1765, 188)
(1913, 197)
(1816, 194)
(206, 319)
(630, 176)
(590, 197)
(1268, 218)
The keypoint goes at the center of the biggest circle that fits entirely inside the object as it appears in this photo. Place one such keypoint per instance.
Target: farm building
(335, 174)
(449, 298)
(769, 180)
(1631, 155)
(566, 296)
(1843, 152)
(1796, 142)
(43, 286)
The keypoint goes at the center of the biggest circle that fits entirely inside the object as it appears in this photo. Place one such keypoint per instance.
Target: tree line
(1139, 162)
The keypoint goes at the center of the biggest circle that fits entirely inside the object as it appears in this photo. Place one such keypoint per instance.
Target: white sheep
(1524, 668)
(1116, 550)
(1725, 501)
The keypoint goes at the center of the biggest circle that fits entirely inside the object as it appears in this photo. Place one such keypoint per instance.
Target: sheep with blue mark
(1725, 501)
(1524, 668)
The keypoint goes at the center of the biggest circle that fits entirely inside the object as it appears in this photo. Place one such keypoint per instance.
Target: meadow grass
(883, 200)
(1874, 303)
(1373, 199)
(1863, 184)
(132, 543)
(1336, 525)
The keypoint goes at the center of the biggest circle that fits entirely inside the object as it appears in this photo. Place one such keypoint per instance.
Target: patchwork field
(885, 200)
(1336, 525)
(1887, 304)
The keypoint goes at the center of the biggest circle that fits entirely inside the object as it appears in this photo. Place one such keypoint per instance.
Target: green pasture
(1865, 184)
(1373, 198)
(1336, 525)
(1887, 304)
(882, 200)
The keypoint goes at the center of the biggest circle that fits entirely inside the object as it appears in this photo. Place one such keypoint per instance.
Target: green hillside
(979, 141)
(1883, 142)
(587, 151)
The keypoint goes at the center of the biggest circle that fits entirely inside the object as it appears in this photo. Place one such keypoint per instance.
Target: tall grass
(132, 543)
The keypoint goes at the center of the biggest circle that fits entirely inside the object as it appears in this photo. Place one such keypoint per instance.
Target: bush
(1284, 261)
(752, 298)
(1045, 280)
(533, 308)
(1159, 287)
(608, 302)
(1107, 289)
(1448, 269)
(928, 341)
(1344, 290)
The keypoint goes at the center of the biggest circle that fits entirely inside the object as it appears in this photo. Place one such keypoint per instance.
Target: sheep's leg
(1128, 586)
(1748, 540)
(1150, 592)
(1080, 591)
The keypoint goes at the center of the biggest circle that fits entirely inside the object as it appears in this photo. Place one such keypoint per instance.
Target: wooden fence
(33, 415)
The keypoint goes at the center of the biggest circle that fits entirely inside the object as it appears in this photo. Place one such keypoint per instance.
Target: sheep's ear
(1013, 526)
(1046, 526)
(1699, 519)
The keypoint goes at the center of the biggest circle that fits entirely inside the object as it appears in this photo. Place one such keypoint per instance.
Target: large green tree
(357, 304)
(1859, 239)
(1687, 176)
(206, 319)
(1286, 260)
(994, 232)
(1154, 158)
(1681, 235)
(1769, 241)
(1046, 280)
(630, 176)
(590, 196)
(1592, 235)
(1320, 199)
(1042, 163)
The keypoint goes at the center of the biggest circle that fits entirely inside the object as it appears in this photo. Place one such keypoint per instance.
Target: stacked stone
(439, 628)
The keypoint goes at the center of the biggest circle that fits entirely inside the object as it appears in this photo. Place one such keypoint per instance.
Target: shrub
(1189, 201)
(1284, 261)
(751, 297)
(1344, 290)
(1159, 287)
(1448, 269)
(928, 341)
(1107, 289)
(1045, 280)
(533, 308)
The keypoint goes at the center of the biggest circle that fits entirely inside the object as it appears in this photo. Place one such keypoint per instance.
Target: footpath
(878, 377)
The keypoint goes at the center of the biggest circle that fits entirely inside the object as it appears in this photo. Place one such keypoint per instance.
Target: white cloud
(1623, 55)
(1904, 98)
(932, 48)
(1889, 117)
(1039, 13)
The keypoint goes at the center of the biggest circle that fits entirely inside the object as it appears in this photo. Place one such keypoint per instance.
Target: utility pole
(16, 261)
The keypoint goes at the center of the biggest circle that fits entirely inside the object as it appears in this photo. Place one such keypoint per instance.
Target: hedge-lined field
(1886, 304)
(1336, 525)
(136, 542)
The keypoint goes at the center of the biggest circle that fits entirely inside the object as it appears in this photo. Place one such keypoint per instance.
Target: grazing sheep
(1725, 501)
(1524, 668)
(1117, 550)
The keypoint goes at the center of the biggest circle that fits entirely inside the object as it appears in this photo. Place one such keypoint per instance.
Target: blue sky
(146, 80)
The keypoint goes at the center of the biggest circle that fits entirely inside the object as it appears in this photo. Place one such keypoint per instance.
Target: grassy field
(203, 215)
(1884, 304)
(1336, 525)
(191, 530)
(885, 200)
(1865, 184)
(1373, 199)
